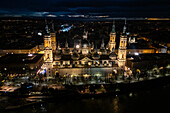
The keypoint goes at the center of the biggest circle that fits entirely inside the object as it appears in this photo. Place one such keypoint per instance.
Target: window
(57, 63)
(122, 56)
(97, 62)
(100, 62)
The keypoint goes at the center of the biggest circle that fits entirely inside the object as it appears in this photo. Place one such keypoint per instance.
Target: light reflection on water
(154, 101)
(116, 105)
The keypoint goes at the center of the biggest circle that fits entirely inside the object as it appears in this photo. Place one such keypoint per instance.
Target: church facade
(86, 58)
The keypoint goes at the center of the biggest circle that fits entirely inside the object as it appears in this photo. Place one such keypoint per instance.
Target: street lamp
(77, 46)
(136, 53)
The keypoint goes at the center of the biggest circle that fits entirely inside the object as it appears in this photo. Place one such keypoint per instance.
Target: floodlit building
(122, 48)
(86, 58)
(48, 53)
(145, 62)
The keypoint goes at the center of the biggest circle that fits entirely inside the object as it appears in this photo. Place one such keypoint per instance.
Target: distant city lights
(136, 54)
(43, 72)
(40, 34)
(30, 54)
(65, 29)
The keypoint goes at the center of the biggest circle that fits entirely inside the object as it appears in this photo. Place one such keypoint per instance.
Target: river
(146, 101)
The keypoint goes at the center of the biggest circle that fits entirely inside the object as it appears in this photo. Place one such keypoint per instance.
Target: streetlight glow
(77, 46)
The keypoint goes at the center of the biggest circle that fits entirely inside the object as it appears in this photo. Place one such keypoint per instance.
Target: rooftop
(68, 57)
(20, 58)
(141, 44)
(150, 57)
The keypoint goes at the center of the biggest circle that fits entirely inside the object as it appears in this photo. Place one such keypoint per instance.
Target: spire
(76, 46)
(107, 46)
(58, 45)
(66, 45)
(74, 49)
(46, 27)
(96, 48)
(113, 49)
(53, 28)
(92, 45)
(85, 35)
(113, 27)
(102, 44)
(124, 28)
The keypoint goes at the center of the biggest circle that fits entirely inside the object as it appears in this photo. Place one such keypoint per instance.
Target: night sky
(155, 8)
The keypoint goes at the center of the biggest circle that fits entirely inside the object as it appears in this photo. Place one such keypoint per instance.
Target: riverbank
(154, 100)
(72, 92)
(95, 89)
(117, 88)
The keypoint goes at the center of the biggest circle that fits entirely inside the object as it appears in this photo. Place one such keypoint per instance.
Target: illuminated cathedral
(84, 58)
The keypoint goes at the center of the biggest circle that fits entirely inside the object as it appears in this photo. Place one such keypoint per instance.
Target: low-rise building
(21, 64)
(145, 62)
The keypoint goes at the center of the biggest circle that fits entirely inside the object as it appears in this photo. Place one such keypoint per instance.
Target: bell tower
(85, 35)
(122, 48)
(85, 44)
(48, 55)
(53, 38)
(112, 42)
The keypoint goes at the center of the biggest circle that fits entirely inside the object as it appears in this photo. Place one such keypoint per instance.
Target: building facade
(122, 48)
(21, 64)
(48, 54)
(85, 57)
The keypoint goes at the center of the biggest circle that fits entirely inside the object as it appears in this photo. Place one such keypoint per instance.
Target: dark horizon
(112, 8)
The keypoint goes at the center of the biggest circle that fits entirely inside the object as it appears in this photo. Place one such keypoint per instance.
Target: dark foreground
(151, 99)
(154, 101)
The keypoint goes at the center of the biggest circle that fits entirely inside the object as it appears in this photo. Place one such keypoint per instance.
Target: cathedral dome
(75, 56)
(112, 56)
(85, 43)
(108, 50)
(103, 51)
(57, 57)
(92, 51)
(58, 51)
(96, 56)
(66, 51)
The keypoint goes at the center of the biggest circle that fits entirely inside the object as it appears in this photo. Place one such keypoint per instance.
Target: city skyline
(112, 8)
(84, 56)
